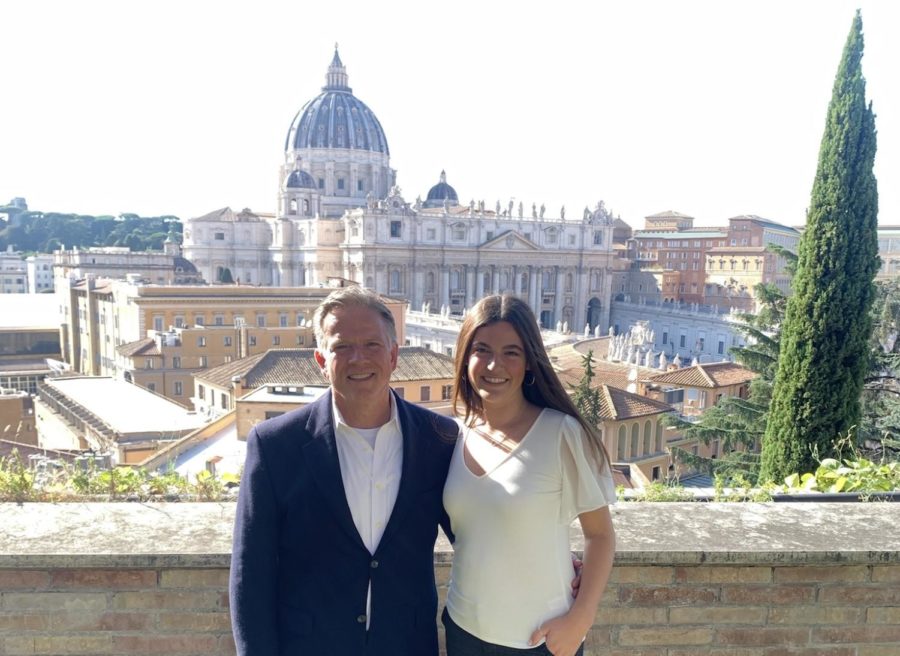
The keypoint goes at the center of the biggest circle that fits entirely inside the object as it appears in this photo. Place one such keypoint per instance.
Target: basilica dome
(336, 118)
(299, 179)
(441, 192)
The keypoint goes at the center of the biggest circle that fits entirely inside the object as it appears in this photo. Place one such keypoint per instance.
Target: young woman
(527, 464)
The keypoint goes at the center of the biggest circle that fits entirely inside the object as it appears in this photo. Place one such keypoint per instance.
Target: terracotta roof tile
(146, 346)
(617, 404)
(717, 374)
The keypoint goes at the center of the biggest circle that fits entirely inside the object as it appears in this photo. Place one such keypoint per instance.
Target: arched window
(659, 431)
(292, 206)
(635, 435)
(306, 207)
(620, 446)
(648, 435)
(301, 238)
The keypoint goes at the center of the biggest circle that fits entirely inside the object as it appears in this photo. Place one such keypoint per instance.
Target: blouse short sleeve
(586, 483)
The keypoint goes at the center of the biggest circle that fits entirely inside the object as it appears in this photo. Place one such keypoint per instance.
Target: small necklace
(503, 443)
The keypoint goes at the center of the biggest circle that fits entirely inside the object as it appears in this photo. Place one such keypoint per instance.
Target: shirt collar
(339, 422)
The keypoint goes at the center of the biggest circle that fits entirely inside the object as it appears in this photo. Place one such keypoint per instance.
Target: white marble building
(340, 214)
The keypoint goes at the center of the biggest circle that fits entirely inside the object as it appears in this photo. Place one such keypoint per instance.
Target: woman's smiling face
(496, 363)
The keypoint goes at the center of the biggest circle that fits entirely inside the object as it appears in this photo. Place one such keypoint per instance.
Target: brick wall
(689, 579)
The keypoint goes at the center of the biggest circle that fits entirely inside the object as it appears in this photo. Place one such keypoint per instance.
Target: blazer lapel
(322, 456)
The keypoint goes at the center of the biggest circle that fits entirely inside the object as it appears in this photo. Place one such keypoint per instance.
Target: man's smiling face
(357, 356)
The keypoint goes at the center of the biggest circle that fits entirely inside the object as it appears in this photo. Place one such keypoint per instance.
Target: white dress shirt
(371, 460)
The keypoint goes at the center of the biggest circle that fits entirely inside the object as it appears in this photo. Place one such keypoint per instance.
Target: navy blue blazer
(299, 569)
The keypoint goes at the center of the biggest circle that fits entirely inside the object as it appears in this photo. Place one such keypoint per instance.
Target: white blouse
(512, 567)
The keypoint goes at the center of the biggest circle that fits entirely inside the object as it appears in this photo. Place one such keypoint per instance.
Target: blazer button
(361, 619)
(374, 564)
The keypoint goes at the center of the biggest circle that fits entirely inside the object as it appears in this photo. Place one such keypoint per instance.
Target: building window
(199, 320)
(300, 340)
(224, 401)
(283, 320)
(276, 340)
(204, 362)
(395, 281)
(261, 320)
(429, 282)
(489, 235)
(459, 233)
(430, 234)
(201, 391)
(721, 348)
(252, 340)
(219, 320)
(648, 435)
(226, 341)
(620, 445)
(179, 322)
(359, 185)
(176, 362)
(201, 341)
(598, 237)
(151, 387)
(659, 431)
(340, 182)
(446, 391)
(219, 236)
(395, 230)
(425, 393)
(552, 237)
(158, 324)
(571, 240)
(635, 430)
(665, 338)
(682, 341)
(178, 388)
(321, 183)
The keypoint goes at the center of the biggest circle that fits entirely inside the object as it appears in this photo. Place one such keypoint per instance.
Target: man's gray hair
(352, 296)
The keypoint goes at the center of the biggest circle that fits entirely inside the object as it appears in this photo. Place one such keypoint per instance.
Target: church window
(570, 282)
(354, 230)
(340, 183)
(429, 282)
(395, 281)
(321, 183)
(490, 235)
(459, 233)
(293, 206)
(486, 281)
(395, 229)
(571, 240)
(219, 236)
(551, 237)
(359, 185)
(523, 286)
(528, 236)
(430, 234)
(454, 280)
(598, 237)
(306, 206)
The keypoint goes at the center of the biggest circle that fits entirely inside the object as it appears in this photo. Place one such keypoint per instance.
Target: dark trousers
(462, 643)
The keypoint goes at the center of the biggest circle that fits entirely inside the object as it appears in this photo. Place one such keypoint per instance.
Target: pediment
(509, 241)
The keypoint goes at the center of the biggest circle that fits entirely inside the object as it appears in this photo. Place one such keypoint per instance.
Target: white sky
(711, 108)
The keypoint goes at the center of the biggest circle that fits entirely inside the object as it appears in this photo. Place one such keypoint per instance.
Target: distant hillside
(45, 232)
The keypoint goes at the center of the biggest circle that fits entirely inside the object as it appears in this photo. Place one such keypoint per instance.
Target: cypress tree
(825, 337)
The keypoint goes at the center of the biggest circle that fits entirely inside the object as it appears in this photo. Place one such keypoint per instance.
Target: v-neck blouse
(512, 567)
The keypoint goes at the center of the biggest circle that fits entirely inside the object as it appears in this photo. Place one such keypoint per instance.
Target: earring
(529, 382)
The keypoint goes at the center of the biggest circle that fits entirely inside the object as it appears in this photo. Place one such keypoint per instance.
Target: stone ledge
(198, 535)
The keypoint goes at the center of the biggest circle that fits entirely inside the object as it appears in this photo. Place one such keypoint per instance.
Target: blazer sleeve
(254, 558)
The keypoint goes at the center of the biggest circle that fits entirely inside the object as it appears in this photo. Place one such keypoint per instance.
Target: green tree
(825, 337)
(879, 426)
(585, 397)
(741, 423)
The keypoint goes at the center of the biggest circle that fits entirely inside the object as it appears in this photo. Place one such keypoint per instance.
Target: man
(339, 506)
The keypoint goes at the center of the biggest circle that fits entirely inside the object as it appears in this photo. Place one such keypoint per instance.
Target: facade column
(445, 286)
(534, 274)
(558, 300)
(479, 283)
(470, 285)
(581, 297)
(495, 280)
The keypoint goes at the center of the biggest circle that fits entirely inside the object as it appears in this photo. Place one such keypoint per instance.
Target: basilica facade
(340, 214)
